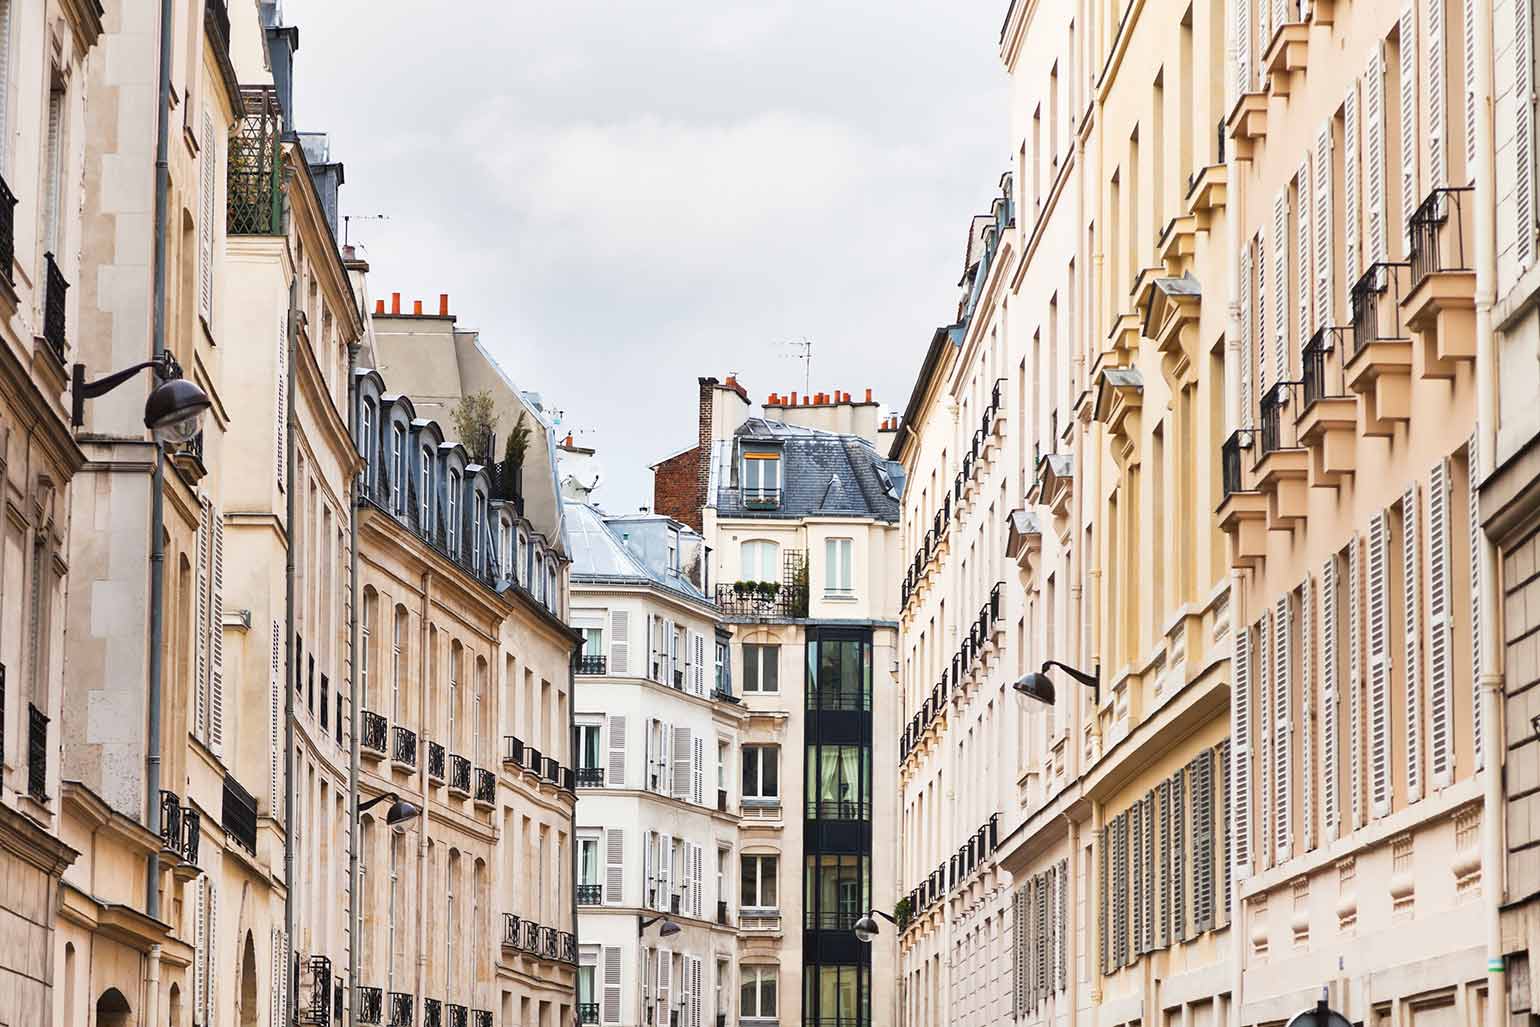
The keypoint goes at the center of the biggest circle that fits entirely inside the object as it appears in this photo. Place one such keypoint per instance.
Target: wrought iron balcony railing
(54, 306)
(374, 733)
(1381, 280)
(316, 979)
(1232, 468)
(369, 1003)
(436, 762)
(530, 940)
(459, 1016)
(403, 746)
(550, 770)
(432, 1013)
(844, 696)
(486, 786)
(7, 232)
(839, 809)
(1438, 231)
(481, 1018)
(238, 815)
(399, 1005)
(760, 498)
(590, 894)
(588, 1012)
(590, 777)
(1276, 429)
(568, 780)
(1321, 366)
(568, 947)
(513, 750)
(591, 665)
(839, 920)
(459, 774)
(170, 822)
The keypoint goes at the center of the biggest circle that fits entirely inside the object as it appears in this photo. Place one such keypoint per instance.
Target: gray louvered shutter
(1411, 610)
(611, 993)
(1226, 782)
(1267, 667)
(275, 724)
(1278, 335)
(1242, 10)
(1329, 749)
(1203, 841)
(1164, 859)
(1305, 729)
(1524, 134)
(1477, 592)
(1103, 900)
(201, 632)
(614, 866)
(1061, 923)
(1240, 737)
(1283, 779)
(209, 158)
(1151, 861)
(1355, 681)
(1379, 667)
(1179, 814)
(1440, 631)
(620, 642)
(682, 765)
(216, 630)
(1136, 885)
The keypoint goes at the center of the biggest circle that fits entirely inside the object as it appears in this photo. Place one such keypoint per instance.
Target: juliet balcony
(1379, 366)
(1440, 309)
(1243, 509)
(1326, 423)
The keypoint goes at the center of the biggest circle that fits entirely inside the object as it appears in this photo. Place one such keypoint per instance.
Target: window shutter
(1374, 146)
(281, 407)
(1440, 633)
(217, 639)
(275, 726)
(1242, 46)
(1280, 15)
(683, 770)
(1224, 817)
(1120, 884)
(1018, 959)
(1203, 841)
(695, 992)
(1044, 933)
(611, 996)
(286, 962)
(1305, 285)
(1061, 923)
(697, 874)
(205, 553)
(1179, 813)
(1279, 336)
(1246, 340)
(1329, 750)
(1379, 669)
(1321, 224)
(1151, 862)
(1438, 173)
(620, 642)
(211, 955)
(614, 866)
(670, 651)
(1267, 666)
(1136, 886)
(1477, 593)
(698, 641)
(200, 948)
(1524, 132)
(1103, 899)
(1352, 171)
(209, 158)
(665, 984)
(1283, 682)
(1240, 738)
(1264, 336)
(1306, 727)
(698, 770)
(687, 996)
(1355, 682)
(1164, 860)
(1411, 609)
(275, 999)
(615, 773)
(1407, 76)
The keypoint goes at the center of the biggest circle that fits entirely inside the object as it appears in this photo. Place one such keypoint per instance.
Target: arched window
(477, 726)
(397, 647)
(454, 696)
(365, 843)
(760, 560)
(371, 611)
(451, 922)
(393, 905)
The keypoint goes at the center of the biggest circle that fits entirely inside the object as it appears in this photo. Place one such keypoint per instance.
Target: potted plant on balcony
(769, 589)
(743, 588)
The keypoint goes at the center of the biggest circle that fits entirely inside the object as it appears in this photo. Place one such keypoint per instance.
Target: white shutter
(208, 159)
(610, 1000)
(698, 772)
(201, 631)
(1321, 223)
(1242, 46)
(665, 984)
(1267, 667)
(286, 962)
(1411, 608)
(1279, 336)
(200, 947)
(1477, 593)
(1240, 763)
(1352, 173)
(210, 974)
(682, 768)
(614, 866)
(1329, 750)
(1524, 133)
(671, 647)
(1306, 728)
(275, 999)
(695, 992)
(1379, 669)
(1374, 156)
(698, 648)
(217, 639)
(281, 408)
(1468, 20)
(1440, 631)
(1283, 679)
(620, 642)
(1304, 283)
(697, 879)
(1438, 172)
(1246, 338)
(1061, 929)
(275, 725)
(1355, 681)
(1407, 75)
(615, 773)
(1280, 15)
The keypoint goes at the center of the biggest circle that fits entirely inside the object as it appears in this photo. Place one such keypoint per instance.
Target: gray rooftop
(631, 549)
(823, 474)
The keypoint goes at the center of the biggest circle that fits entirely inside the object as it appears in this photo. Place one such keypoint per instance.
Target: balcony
(513, 750)
(368, 1003)
(399, 1007)
(1286, 53)
(1441, 307)
(432, 1013)
(592, 665)
(1380, 365)
(588, 1012)
(403, 747)
(238, 815)
(532, 760)
(760, 499)
(783, 600)
(550, 770)
(7, 232)
(253, 203)
(1327, 425)
(590, 777)
(180, 829)
(1243, 510)
(486, 788)
(459, 776)
(372, 741)
(459, 1016)
(435, 763)
(851, 696)
(839, 809)
(1282, 470)
(315, 991)
(37, 754)
(590, 894)
(481, 1018)
(54, 307)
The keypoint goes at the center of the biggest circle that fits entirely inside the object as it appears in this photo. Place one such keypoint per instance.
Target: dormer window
(398, 469)
(673, 551)
(365, 442)
(478, 525)
(760, 479)
(426, 469)
(454, 512)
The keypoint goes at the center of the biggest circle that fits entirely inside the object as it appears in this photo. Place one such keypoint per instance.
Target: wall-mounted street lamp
(400, 810)
(866, 929)
(173, 411)
(668, 930)
(1038, 685)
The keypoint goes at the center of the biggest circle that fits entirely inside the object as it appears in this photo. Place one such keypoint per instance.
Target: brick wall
(676, 490)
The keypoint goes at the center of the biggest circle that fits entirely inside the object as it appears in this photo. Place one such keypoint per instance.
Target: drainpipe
(572, 817)
(289, 912)
(1489, 601)
(354, 642)
(422, 770)
(158, 477)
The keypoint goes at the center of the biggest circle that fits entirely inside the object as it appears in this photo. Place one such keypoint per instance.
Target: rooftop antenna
(805, 347)
(347, 218)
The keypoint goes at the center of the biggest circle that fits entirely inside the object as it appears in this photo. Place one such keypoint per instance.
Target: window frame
(839, 556)
(757, 753)
(758, 676)
(760, 879)
(758, 977)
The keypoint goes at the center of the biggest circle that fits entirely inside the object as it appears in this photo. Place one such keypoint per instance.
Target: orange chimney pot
(379, 306)
(417, 308)
(395, 303)
(443, 304)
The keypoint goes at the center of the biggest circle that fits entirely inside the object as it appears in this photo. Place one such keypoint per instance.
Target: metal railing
(760, 499)
(170, 822)
(253, 182)
(459, 1016)
(399, 1005)
(486, 786)
(529, 938)
(1438, 234)
(54, 306)
(1273, 402)
(368, 1003)
(550, 770)
(403, 745)
(513, 749)
(481, 1018)
(592, 665)
(1380, 281)
(436, 762)
(7, 232)
(1232, 469)
(432, 1013)
(374, 733)
(788, 599)
(722, 917)
(842, 920)
(319, 1011)
(459, 773)
(1321, 366)
(590, 894)
(588, 1012)
(839, 698)
(238, 815)
(590, 777)
(839, 809)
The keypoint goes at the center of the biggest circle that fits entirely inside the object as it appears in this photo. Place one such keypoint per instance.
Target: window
(842, 674)
(586, 985)
(593, 642)
(838, 887)
(761, 668)
(756, 887)
(758, 996)
(838, 994)
(454, 511)
(365, 442)
(724, 682)
(426, 470)
(761, 561)
(761, 479)
(673, 551)
(588, 746)
(397, 469)
(761, 773)
(371, 605)
(838, 580)
(398, 626)
(478, 527)
(839, 782)
(588, 861)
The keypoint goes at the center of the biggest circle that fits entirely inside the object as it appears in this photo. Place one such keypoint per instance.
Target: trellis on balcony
(253, 205)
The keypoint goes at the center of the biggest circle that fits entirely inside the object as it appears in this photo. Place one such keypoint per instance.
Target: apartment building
(800, 517)
(658, 737)
(45, 67)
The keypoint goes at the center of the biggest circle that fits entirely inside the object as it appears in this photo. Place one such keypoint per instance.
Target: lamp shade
(1036, 686)
(866, 929)
(174, 410)
(668, 930)
(400, 812)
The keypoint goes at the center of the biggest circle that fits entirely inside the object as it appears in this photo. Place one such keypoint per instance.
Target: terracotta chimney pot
(868, 395)
(417, 308)
(379, 306)
(395, 303)
(443, 304)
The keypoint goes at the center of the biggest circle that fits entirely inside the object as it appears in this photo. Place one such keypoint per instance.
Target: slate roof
(600, 555)
(823, 474)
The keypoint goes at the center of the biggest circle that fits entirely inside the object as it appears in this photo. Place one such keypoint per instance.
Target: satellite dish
(1320, 1016)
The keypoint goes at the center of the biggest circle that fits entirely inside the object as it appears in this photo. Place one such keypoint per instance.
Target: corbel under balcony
(1123, 340)
(1328, 425)
(1119, 399)
(1379, 369)
(1242, 513)
(1054, 487)
(1024, 542)
(1248, 124)
(1285, 55)
(1171, 319)
(1178, 243)
(1440, 309)
(1323, 12)
(1206, 194)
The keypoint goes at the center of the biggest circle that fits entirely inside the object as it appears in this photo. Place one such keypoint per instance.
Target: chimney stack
(868, 395)
(395, 303)
(443, 310)
(379, 306)
(793, 398)
(417, 308)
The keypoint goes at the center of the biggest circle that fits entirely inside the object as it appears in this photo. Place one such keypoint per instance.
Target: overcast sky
(625, 197)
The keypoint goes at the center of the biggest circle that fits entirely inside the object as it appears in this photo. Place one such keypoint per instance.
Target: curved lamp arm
(165, 365)
(1093, 681)
(878, 912)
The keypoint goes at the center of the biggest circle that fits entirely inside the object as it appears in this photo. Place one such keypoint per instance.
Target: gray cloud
(624, 197)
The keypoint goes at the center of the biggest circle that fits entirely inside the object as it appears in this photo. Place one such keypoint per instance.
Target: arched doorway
(249, 983)
(112, 1009)
(174, 1007)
